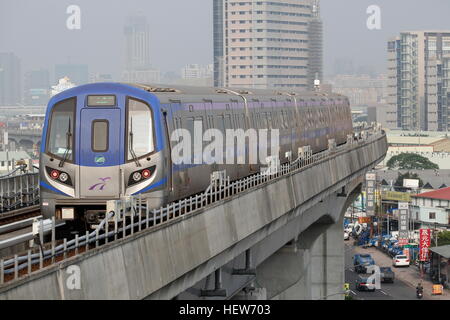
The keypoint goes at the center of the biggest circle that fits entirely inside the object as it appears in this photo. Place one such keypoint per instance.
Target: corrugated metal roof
(443, 251)
(441, 194)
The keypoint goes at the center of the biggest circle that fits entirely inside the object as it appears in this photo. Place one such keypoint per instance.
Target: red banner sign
(425, 243)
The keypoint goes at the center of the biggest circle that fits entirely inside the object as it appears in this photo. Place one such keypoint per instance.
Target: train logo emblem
(100, 185)
(100, 160)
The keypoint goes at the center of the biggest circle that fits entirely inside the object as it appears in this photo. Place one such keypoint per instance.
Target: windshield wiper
(66, 152)
(131, 146)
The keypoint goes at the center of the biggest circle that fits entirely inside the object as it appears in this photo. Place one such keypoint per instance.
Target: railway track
(19, 214)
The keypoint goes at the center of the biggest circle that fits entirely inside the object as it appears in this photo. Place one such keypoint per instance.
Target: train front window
(60, 136)
(139, 130)
(100, 135)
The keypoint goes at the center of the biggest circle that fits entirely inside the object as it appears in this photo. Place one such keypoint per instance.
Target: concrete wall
(162, 262)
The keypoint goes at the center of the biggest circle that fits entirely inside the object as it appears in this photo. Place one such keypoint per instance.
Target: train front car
(100, 142)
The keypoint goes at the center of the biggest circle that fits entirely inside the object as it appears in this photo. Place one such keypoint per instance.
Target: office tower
(261, 44)
(218, 34)
(419, 76)
(315, 45)
(37, 87)
(137, 65)
(137, 37)
(77, 73)
(10, 79)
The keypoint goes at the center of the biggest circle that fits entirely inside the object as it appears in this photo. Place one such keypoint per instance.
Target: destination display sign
(101, 101)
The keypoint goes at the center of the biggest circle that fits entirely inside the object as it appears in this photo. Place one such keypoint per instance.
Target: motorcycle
(419, 294)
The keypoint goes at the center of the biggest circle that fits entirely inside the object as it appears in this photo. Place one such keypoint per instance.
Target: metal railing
(19, 188)
(128, 216)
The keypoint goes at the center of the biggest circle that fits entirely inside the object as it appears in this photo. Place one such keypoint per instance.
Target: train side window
(269, 120)
(227, 121)
(220, 123)
(100, 135)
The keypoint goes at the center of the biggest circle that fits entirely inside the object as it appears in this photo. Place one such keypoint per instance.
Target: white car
(400, 261)
(346, 236)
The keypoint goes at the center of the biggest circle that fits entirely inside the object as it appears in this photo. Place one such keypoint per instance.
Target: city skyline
(102, 32)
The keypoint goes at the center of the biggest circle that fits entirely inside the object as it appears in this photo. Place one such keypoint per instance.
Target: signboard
(396, 196)
(371, 179)
(406, 253)
(425, 243)
(403, 226)
(411, 183)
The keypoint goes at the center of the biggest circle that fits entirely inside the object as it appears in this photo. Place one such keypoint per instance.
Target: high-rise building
(10, 79)
(77, 73)
(419, 78)
(37, 87)
(261, 44)
(137, 37)
(138, 64)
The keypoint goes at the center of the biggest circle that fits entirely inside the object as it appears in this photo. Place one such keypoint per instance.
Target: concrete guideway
(162, 262)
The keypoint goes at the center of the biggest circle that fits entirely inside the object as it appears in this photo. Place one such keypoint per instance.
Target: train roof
(162, 90)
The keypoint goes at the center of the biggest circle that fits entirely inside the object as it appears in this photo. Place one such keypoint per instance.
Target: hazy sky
(181, 31)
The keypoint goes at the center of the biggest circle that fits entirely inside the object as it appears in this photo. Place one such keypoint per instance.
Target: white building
(63, 85)
(431, 208)
(8, 158)
(196, 71)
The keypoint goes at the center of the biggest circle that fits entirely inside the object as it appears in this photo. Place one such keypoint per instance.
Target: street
(398, 290)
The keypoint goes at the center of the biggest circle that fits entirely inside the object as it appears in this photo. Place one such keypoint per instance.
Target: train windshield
(60, 137)
(139, 130)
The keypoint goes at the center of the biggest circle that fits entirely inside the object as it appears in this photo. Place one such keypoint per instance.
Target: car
(400, 261)
(387, 275)
(362, 261)
(362, 284)
(346, 236)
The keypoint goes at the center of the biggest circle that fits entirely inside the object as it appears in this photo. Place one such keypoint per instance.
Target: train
(106, 141)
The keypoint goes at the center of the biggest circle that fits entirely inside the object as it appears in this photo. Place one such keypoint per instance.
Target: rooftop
(441, 194)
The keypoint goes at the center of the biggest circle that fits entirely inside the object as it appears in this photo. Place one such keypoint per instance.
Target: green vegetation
(410, 161)
(443, 239)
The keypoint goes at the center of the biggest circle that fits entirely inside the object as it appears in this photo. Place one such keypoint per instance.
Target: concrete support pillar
(313, 266)
(327, 265)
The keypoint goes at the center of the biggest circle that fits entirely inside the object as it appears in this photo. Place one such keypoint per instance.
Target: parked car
(362, 284)
(346, 236)
(400, 261)
(362, 261)
(387, 275)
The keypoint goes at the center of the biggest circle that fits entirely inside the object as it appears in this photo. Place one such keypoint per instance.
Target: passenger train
(105, 141)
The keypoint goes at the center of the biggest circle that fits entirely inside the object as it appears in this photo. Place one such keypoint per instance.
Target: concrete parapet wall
(164, 261)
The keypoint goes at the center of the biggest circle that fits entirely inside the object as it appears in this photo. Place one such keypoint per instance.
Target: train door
(100, 155)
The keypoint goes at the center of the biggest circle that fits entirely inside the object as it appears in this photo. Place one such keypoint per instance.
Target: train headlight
(54, 174)
(146, 174)
(137, 176)
(63, 177)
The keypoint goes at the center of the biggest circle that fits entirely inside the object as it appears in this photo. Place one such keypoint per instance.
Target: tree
(407, 175)
(443, 238)
(410, 161)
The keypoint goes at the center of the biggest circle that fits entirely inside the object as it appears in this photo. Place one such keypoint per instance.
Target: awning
(443, 251)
